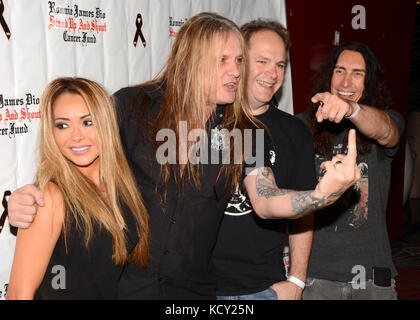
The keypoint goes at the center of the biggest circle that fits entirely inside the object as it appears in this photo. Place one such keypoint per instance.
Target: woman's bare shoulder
(53, 211)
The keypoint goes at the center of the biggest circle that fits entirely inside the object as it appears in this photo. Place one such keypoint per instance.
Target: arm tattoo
(302, 202)
(266, 185)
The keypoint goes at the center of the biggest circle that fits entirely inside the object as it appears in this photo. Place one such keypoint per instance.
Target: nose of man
(235, 70)
(271, 72)
(346, 81)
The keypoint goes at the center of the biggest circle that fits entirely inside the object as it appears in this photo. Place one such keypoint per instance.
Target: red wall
(389, 32)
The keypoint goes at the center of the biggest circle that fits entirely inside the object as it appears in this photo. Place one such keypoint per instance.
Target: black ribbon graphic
(139, 33)
(3, 22)
(4, 214)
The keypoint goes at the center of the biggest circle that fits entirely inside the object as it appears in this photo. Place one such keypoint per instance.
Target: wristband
(354, 114)
(296, 281)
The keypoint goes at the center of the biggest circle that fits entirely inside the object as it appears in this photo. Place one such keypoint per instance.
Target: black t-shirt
(183, 235)
(248, 255)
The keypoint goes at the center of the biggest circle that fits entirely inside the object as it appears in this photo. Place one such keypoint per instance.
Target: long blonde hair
(184, 96)
(83, 200)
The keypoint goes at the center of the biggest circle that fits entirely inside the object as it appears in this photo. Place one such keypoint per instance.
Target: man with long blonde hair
(201, 88)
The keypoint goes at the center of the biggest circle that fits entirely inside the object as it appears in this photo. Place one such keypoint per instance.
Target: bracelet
(354, 114)
(296, 281)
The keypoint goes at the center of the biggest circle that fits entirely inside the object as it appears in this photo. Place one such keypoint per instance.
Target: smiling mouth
(80, 149)
(265, 84)
(345, 94)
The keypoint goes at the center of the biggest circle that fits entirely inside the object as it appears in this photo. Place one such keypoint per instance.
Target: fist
(23, 205)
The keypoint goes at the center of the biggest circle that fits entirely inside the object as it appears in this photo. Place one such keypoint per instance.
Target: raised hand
(340, 173)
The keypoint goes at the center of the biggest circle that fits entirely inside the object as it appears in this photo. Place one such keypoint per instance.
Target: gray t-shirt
(353, 232)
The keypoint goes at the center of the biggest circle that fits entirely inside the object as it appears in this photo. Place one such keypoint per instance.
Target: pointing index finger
(317, 98)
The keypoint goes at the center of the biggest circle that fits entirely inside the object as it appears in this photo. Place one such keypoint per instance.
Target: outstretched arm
(370, 121)
(269, 201)
(34, 246)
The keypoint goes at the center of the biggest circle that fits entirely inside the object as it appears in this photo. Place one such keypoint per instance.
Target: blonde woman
(93, 220)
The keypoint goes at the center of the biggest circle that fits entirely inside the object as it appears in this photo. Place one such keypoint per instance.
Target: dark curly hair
(375, 94)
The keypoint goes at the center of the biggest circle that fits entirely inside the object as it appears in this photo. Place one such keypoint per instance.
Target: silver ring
(321, 104)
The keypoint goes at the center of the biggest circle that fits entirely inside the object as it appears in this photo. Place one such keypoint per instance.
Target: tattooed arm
(269, 201)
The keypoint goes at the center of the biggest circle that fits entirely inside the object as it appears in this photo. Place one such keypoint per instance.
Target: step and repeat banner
(117, 43)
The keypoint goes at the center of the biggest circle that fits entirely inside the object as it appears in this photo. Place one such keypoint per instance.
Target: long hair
(84, 202)
(190, 65)
(375, 94)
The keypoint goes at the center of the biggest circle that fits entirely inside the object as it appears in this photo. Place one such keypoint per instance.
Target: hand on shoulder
(23, 204)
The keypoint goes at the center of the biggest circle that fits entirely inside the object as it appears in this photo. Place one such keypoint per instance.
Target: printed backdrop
(117, 43)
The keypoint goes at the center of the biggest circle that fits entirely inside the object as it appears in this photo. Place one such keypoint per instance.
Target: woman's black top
(85, 273)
